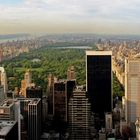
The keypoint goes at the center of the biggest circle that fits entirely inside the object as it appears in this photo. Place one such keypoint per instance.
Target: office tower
(60, 100)
(35, 92)
(24, 117)
(18, 116)
(79, 116)
(8, 130)
(70, 73)
(3, 80)
(30, 118)
(34, 119)
(132, 88)
(51, 80)
(99, 81)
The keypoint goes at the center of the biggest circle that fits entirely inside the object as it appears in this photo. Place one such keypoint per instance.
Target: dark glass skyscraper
(99, 81)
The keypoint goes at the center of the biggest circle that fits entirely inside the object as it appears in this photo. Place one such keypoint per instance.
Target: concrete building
(8, 130)
(79, 116)
(132, 88)
(99, 81)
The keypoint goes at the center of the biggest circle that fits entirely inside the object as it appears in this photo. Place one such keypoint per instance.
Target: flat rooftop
(6, 103)
(5, 127)
(98, 52)
(34, 101)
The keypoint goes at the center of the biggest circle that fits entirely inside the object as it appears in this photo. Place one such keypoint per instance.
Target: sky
(70, 16)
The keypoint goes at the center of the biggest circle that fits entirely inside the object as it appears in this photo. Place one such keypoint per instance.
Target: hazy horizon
(70, 16)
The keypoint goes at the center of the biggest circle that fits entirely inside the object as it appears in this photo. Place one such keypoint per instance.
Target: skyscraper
(99, 81)
(132, 88)
(79, 116)
(31, 118)
(60, 100)
(51, 80)
(34, 119)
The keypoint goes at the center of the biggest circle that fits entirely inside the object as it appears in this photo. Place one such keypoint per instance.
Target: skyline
(71, 16)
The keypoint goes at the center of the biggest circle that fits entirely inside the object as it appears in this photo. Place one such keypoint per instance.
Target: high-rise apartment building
(99, 81)
(70, 73)
(79, 116)
(132, 88)
(26, 82)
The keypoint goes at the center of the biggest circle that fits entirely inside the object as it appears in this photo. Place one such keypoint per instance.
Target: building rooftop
(61, 81)
(5, 127)
(99, 52)
(7, 103)
(34, 101)
(33, 87)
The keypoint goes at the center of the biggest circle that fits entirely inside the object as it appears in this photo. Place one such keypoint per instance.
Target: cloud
(79, 9)
(71, 12)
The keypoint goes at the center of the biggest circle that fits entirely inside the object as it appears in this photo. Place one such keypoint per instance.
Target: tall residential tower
(99, 81)
(132, 88)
